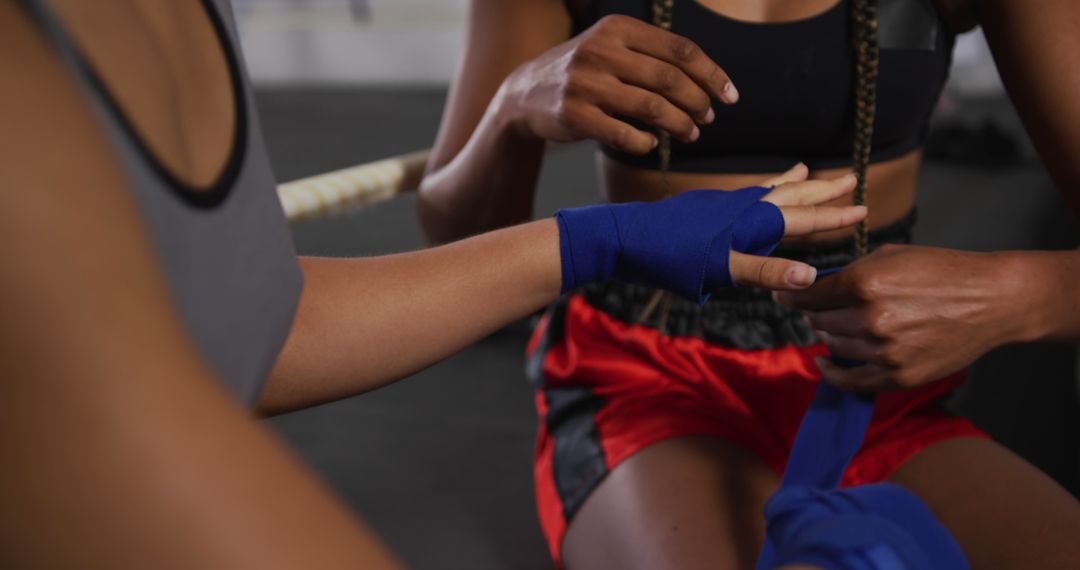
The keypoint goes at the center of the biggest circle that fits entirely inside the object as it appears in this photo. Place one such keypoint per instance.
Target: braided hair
(865, 41)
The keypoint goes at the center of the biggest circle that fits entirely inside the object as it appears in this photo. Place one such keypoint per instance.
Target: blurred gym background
(440, 464)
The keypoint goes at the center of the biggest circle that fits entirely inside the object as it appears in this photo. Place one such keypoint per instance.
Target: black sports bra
(795, 85)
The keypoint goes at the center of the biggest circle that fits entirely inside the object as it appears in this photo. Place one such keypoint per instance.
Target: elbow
(438, 222)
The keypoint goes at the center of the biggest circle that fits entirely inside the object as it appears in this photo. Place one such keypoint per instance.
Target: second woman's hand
(620, 66)
(916, 314)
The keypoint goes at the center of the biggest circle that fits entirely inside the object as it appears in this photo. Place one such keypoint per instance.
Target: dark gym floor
(440, 464)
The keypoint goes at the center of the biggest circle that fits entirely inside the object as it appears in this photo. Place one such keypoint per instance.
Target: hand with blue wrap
(702, 240)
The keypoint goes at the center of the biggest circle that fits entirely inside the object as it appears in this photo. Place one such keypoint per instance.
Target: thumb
(796, 173)
(770, 272)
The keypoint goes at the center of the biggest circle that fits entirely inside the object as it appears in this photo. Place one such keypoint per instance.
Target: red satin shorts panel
(650, 388)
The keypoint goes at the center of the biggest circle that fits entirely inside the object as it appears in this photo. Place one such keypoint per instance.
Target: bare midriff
(891, 187)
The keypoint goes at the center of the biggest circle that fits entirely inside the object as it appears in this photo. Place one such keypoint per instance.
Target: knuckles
(573, 86)
(612, 23)
(567, 114)
(683, 49)
(667, 78)
(865, 286)
(877, 322)
(651, 107)
(623, 137)
(892, 354)
(583, 56)
(770, 273)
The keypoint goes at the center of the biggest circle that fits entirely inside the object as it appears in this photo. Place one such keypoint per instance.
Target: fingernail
(655, 143)
(710, 116)
(849, 178)
(694, 134)
(731, 94)
(801, 275)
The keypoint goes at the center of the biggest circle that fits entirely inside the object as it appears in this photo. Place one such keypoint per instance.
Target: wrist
(1024, 287)
(589, 247)
(510, 112)
(1051, 293)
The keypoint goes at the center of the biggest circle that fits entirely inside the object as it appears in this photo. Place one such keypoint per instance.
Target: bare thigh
(687, 503)
(1004, 512)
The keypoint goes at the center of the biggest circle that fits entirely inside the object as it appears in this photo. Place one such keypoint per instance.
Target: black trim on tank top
(207, 197)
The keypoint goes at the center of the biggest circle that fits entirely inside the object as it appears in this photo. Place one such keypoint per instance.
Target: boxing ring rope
(354, 187)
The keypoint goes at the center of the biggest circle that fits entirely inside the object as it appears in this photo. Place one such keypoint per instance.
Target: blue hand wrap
(871, 527)
(681, 244)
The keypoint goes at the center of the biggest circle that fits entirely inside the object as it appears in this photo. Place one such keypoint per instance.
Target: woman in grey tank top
(151, 297)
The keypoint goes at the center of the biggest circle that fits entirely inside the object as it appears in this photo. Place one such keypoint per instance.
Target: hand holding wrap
(870, 527)
(681, 244)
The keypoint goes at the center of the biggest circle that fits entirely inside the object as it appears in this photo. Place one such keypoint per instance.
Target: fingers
(859, 378)
(597, 125)
(831, 292)
(664, 79)
(796, 173)
(650, 108)
(855, 348)
(848, 321)
(682, 53)
(805, 220)
(770, 272)
(810, 192)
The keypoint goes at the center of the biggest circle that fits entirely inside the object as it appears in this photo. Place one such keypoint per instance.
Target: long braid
(865, 38)
(662, 11)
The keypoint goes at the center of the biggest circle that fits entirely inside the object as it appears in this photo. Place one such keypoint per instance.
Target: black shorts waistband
(736, 317)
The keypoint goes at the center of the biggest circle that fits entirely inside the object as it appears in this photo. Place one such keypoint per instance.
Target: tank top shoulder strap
(226, 250)
(49, 24)
(96, 90)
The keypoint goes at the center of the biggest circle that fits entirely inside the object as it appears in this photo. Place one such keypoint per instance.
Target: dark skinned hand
(619, 66)
(913, 314)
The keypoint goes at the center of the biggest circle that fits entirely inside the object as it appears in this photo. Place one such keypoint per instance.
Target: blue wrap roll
(870, 527)
(681, 244)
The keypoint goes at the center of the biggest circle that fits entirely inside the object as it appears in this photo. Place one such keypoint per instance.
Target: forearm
(1038, 55)
(488, 184)
(363, 323)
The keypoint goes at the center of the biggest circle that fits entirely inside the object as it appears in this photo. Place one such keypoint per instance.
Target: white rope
(332, 192)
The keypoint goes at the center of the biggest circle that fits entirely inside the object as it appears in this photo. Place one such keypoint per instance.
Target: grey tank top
(226, 251)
